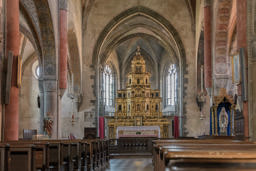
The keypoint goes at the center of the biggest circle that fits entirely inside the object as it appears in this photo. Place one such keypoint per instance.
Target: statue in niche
(223, 121)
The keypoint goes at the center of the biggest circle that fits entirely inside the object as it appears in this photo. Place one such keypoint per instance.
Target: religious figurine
(223, 121)
(48, 123)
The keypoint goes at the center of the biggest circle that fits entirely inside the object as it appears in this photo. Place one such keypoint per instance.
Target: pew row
(64, 155)
(173, 153)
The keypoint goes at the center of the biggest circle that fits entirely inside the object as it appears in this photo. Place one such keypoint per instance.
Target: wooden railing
(131, 145)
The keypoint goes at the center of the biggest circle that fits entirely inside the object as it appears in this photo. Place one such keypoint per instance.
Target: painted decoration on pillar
(19, 72)
(236, 77)
(222, 115)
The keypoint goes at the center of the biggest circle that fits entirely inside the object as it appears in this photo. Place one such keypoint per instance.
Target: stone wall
(28, 108)
(113, 59)
(72, 122)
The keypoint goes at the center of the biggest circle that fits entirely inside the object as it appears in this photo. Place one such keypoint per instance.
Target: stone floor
(131, 164)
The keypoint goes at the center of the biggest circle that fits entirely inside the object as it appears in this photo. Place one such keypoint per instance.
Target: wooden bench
(201, 150)
(20, 156)
(54, 154)
(3, 156)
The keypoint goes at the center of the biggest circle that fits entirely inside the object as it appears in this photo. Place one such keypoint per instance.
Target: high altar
(138, 107)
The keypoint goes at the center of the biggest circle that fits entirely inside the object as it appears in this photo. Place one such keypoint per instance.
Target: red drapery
(176, 127)
(101, 127)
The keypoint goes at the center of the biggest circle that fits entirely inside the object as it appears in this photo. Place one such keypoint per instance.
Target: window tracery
(171, 85)
(108, 86)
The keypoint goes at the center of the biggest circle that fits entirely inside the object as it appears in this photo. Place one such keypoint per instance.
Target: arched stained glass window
(108, 86)
(171, 85)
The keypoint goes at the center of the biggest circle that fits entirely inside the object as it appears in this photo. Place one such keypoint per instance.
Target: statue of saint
(223, 121)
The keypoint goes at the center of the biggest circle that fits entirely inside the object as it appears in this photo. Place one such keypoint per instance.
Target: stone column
(242, 43)
(63, 45)
(251, 38)
(12, 44)
(50, 107)
(207, 45)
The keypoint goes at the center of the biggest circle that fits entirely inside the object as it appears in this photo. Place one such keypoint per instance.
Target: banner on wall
(176, 126)
(101, 127)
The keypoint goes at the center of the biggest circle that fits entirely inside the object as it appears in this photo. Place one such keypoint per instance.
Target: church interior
(127, 85)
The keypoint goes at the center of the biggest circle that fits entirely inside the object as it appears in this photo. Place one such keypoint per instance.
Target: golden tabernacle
(138, 107)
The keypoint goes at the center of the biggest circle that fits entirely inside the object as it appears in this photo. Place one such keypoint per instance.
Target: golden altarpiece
(138, 107)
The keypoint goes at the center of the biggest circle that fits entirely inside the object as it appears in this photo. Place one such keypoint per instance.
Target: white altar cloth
(138, 131)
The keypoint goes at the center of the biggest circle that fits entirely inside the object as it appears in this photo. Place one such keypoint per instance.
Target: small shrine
(222, 115)
(138, 107)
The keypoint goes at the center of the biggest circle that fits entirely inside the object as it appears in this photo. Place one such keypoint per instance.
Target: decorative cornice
(223, 95)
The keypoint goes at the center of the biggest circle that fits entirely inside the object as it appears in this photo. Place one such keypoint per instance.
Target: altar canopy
(138, 107)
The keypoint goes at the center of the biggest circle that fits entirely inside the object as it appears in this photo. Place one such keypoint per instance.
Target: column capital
(207, 3)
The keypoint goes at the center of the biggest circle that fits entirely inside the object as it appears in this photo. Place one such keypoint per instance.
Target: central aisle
(131, 164)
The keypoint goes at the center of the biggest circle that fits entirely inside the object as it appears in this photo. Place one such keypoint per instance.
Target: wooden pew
(227, 154)
(106, 147)
(20, 156)
(3, 156)
(59, 154)
(158, 143)
(84, 149)
(95, 154)
(39, 150)
(75, 154)
(201, 149)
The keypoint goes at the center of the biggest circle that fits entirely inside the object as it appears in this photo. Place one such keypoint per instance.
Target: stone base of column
(11, 129)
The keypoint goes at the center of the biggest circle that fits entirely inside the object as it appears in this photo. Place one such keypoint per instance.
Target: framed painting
(236, 74)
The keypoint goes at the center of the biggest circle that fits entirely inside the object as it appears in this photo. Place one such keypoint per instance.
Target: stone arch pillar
(49, 69)
(50, 107)
(41, 98)
(11, 125)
